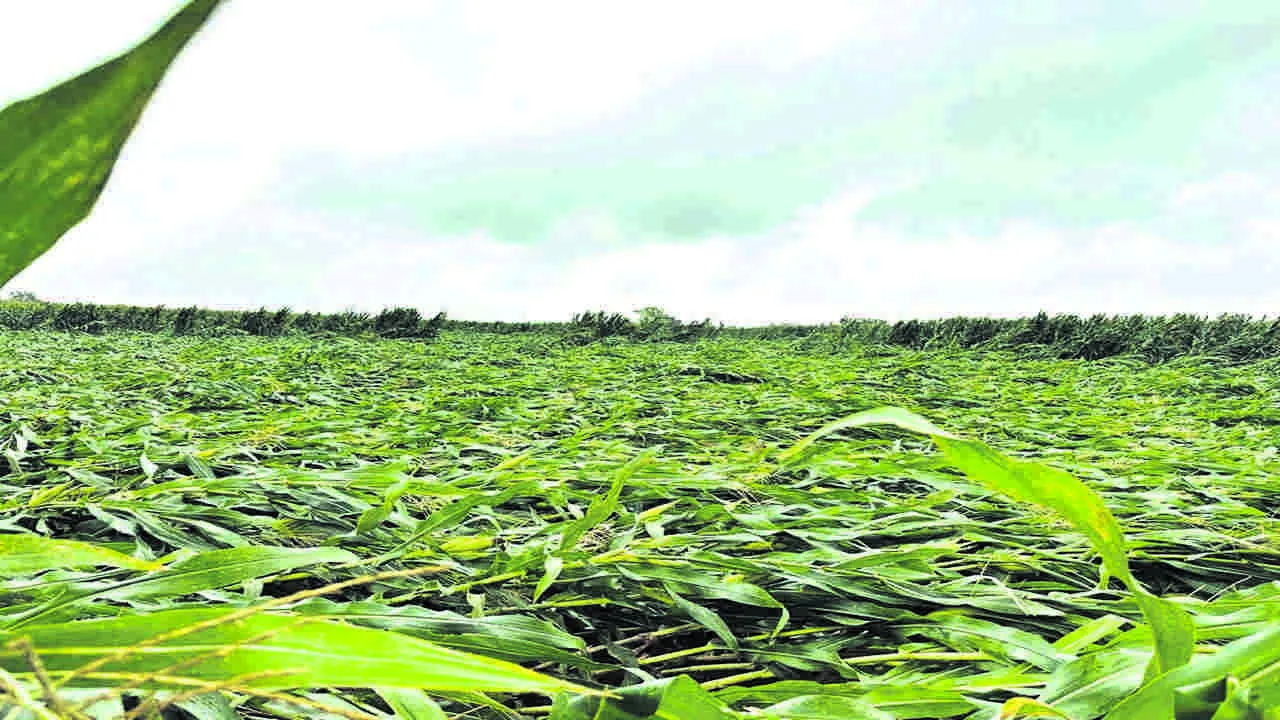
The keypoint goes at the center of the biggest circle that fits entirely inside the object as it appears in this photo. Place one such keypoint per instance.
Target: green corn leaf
(376, 514)
(705, 617)
(206, 571)
(412, 704)
(604, 506)
(1022, 707)
(900, 701)
(26, 554)
(1253, 659)
(825, 707)
(552, 567)
(1172, 628)
(678, 698)
(58, 148)
(279, 651)
(961, 632)
(1091, 684)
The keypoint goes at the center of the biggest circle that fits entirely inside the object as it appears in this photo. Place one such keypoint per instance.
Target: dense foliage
(612, 513)
(195, 523)
(393, 323)
(1230, 337)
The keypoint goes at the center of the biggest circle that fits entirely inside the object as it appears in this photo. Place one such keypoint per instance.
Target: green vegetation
(261, 514)
(1230, 338)
(674, 515)
(394, 323)
(58, 149)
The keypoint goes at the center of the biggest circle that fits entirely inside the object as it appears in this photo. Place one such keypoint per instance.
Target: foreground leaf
(57, 149)
(1172, 628)
(825, 707)
(1092, 684)
(26, 554)
(279, 651)
(206, 571)
(412, 704)
(678, 698)
(1253, 660)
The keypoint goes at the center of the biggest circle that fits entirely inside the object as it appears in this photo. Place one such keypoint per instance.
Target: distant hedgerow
(79, 317)
(264, 322)
(590, 326)
(405, 323)
(1230, 337)
(185, 320)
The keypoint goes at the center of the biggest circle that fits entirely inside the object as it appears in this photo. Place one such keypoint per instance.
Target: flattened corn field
(870, 574)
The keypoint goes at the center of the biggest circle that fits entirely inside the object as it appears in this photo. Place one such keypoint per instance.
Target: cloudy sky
(754, 163)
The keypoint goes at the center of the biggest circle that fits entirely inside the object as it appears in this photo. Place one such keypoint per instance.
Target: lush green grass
(870, 566)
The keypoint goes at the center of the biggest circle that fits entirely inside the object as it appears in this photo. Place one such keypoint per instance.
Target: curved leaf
(1172, 628)
(279, 651)
(26, 554)
(57, 149)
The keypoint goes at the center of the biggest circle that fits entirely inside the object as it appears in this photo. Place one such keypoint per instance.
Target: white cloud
(403, 75)
(826, 264)
(267, 81)
(1227, 193)
(189, 215)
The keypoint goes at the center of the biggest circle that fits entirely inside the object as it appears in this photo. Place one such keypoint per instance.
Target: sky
(752, 163)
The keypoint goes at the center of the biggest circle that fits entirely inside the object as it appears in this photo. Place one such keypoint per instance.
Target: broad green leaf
(206, 571)
(1255, 654)
(1090, 633)
(705, 617)
(376, 514)
(1257, 699)
(671, 699)
(281, 650)
(961, 632)
(438, 625)
(26, 554)
(879, 416)
(603, 506)
(57, 149)
(1172, 628)
(1092, 684)
(516, 638)
(825, 707)
(412, 704)
(906, 702)
(552, 567)
(900, 701)
(1022, 707)
(220, 568)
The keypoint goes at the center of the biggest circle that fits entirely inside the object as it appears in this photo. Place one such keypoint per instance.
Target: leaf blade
(58, 148)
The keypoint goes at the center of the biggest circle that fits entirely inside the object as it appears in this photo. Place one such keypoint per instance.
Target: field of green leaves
(265, 515)
(515, 522)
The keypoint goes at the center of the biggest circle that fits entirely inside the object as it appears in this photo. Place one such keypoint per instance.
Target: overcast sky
(750, 162)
